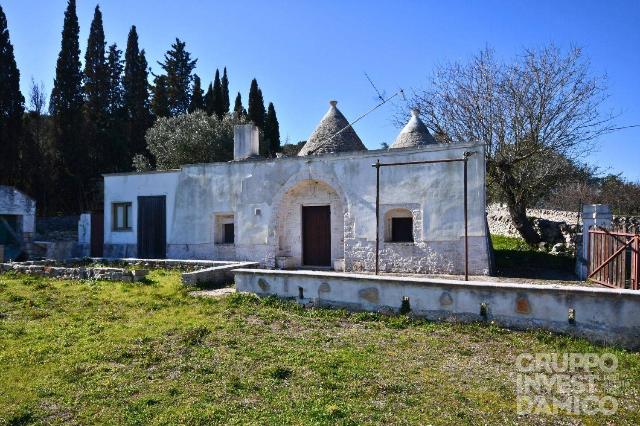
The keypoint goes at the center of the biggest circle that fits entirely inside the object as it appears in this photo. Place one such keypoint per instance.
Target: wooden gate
(152, 227)
(614, 258)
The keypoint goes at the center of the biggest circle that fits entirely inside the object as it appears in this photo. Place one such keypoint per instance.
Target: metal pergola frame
(463, 160)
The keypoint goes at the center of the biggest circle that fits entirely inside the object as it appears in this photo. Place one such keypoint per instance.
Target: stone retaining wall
(601, 315)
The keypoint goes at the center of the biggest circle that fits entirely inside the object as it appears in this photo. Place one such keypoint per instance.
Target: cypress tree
(217, 101)
(208, 100)
(96, 87)
(118, 157)
(65, 107)
(272, 131)
(135, 84)
(197, 100)
(178, 67)
(256, 105)
(238, 109)
(225, 92)
(11, 107)
(160, 101)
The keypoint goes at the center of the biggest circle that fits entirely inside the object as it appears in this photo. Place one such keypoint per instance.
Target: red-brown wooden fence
(614, 258)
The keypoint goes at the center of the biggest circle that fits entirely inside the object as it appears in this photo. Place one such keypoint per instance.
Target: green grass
(117, 353)
(514, 258)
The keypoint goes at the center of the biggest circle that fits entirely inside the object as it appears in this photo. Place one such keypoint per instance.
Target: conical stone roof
(324, 139)
(414, 133)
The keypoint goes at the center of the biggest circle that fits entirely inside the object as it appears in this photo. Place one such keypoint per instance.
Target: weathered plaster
(601, 315)
(265, 198)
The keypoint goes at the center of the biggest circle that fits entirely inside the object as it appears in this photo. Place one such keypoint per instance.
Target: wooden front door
(152, 227)
(316, 236)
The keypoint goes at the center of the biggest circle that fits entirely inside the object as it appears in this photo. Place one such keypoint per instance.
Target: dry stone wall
(560, 230)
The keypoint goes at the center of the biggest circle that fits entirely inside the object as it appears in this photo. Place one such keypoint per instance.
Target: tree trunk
(518, 215)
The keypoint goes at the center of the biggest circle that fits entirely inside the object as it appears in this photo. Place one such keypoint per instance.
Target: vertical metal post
(466, 231)
(377, 213)
(635, 263)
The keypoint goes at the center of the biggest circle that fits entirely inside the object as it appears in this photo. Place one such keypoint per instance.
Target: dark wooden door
(97, 234)
(152, 227)
(316, 235)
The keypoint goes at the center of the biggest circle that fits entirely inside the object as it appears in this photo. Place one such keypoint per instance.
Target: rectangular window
(228, 233)
(402, 230)
(121, 217)
(224, 231)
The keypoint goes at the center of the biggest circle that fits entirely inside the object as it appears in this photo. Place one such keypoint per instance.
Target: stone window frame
(414, 211)
(220, 220)
(128, 216)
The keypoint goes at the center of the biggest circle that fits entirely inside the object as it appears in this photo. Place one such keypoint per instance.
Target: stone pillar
(592, 215)
(84, 234)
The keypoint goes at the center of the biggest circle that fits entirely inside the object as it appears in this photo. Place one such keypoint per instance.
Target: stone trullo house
(315, 210)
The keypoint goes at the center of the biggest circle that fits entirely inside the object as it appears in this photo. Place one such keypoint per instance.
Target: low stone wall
(196, 272)
(75, 273)
(180, 264)
(216, 275)
(600, 315)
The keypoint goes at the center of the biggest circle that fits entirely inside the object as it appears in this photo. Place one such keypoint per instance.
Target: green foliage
(509, 243)
(191, 138)
(11, 108)
(225, 92)
(65, 107)
(208, 100)
(117, 155)
(117, 353)
(272, 131)
(135, 85)
(238, 109)
(197, 99)
(217, 102)
(96, 105)
(160, 101)
(256, 110)
(291, 150)
(515, 258)
(178, 67)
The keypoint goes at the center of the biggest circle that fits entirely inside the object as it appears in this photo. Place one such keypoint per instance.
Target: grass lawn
(118, 353)
(514, 258)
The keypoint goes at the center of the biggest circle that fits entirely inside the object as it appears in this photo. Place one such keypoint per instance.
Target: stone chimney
(246, 141)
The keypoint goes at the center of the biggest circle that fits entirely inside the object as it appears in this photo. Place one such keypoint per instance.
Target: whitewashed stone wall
(16, 203)
(265, 197)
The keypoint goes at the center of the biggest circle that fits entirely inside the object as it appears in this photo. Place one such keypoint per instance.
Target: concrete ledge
(610, 316)
(216, 275)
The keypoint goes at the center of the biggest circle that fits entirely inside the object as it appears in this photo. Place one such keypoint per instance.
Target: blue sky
(305, 53)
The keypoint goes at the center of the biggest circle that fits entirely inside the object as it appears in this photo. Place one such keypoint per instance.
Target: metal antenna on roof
(380, 95)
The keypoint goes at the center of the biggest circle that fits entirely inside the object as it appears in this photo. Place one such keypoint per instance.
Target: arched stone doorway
(310, 226)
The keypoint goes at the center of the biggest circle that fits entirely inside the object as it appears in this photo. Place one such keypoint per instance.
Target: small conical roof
(325, 138)
(415, 133)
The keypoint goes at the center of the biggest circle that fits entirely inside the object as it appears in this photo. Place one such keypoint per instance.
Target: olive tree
(187, 139)
(536, 116)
